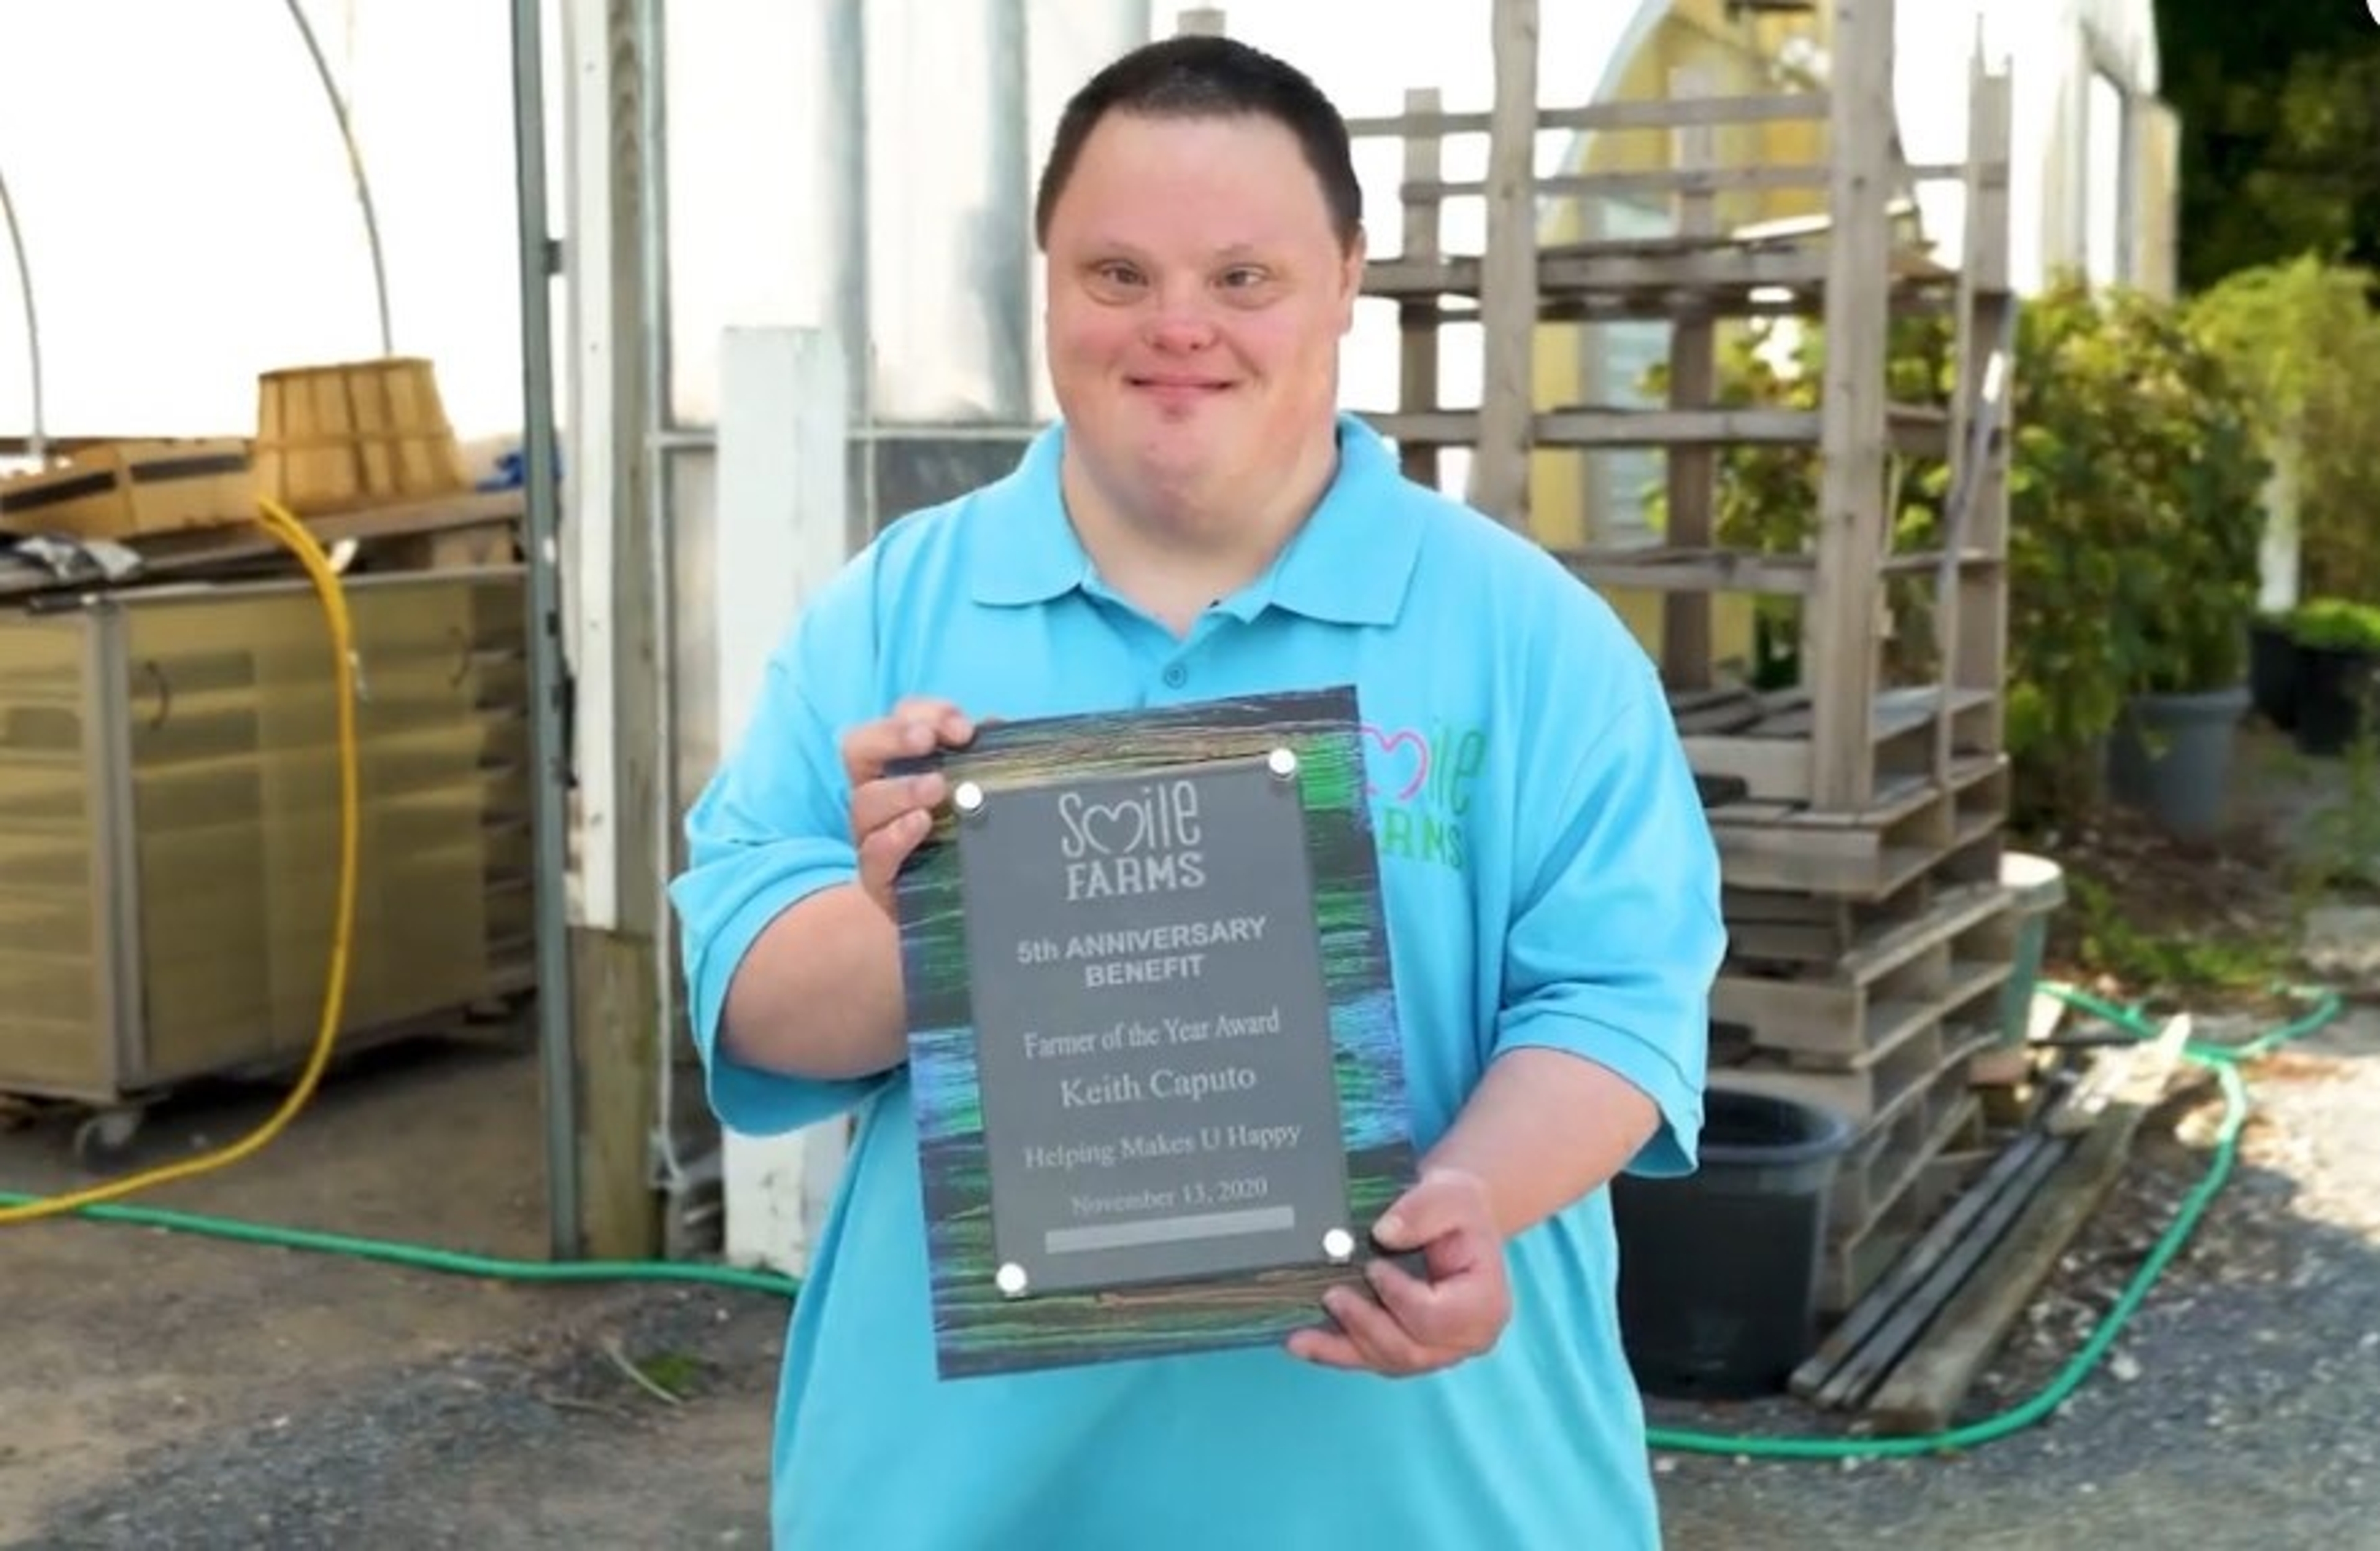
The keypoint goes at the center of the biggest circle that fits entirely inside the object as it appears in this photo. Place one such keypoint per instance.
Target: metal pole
(547, 684)
(660, 464)
(40, 441)
(355, 168)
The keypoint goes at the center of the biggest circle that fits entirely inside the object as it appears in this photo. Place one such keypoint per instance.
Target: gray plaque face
(1154, 1051)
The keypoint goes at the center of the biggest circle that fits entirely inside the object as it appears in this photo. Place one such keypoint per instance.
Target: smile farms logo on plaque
(1153, 1042)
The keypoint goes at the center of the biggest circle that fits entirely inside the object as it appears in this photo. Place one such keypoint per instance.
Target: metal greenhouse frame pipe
(39, 441)
(549, 775)
(355, 166)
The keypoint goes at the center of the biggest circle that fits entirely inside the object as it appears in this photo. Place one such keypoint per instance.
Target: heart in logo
(1391, 742)
(1114, 828)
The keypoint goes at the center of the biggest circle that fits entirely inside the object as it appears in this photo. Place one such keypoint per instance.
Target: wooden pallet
(1906, 977)
(1766, 741)
(1909, 1348)
(1782, 931)
(1914, 1042)
(1903, 1138)
(1856, 1261)
(1854, 257)
(1918, 825)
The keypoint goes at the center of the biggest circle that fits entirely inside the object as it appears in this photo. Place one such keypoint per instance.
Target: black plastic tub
(1718, 1271)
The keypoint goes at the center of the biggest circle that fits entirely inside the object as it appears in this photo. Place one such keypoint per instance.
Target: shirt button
(1176, 675)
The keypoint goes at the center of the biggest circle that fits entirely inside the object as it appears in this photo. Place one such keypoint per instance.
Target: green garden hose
(2224, 1061)
(423, 1257)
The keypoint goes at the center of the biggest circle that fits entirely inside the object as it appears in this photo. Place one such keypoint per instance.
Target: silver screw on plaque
(1010, 1280)
(1340, 1245)
(1283, 763)
(970, 800)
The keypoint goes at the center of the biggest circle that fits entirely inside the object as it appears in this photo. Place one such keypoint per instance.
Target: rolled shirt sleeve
(771, 828)
(1617, 928)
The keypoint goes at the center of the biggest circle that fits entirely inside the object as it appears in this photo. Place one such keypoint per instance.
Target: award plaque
(1154, 1051)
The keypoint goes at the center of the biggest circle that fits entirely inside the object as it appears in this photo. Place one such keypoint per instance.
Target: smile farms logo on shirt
(1421, 781)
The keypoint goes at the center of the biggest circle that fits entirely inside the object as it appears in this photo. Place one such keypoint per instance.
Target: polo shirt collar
(1350, 564)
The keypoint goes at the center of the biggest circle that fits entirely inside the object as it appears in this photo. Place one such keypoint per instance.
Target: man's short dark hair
(1202, 76)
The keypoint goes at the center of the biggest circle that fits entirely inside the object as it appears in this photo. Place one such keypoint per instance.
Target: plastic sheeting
(190, 220)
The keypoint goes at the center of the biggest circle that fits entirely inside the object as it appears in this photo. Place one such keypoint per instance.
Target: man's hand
(1418, 1327)
(890, 814)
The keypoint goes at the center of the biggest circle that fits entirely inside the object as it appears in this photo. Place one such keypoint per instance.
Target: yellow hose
(276, 521)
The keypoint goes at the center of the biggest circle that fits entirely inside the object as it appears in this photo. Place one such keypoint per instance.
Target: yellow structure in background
(1576, 497)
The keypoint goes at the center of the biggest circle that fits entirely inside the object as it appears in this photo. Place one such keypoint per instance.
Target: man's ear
(1351, 278)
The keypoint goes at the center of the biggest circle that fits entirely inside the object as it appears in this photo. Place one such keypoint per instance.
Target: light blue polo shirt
(1548, 880)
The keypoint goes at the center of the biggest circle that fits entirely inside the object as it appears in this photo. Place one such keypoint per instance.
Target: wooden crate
(124, 489)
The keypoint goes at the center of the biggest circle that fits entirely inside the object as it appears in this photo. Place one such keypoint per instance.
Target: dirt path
(167, 1390)
(170, 1390)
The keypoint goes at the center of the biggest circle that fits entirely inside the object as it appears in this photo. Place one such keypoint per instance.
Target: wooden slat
(1770, 108)
(1691, 472)
(1586, 270)
(1776, 759)
(1774, 176)
(1920, 429)
(1418, 325)
(1841, 640)
(1923, 1393)
(1861, 1350)
(1498, 476)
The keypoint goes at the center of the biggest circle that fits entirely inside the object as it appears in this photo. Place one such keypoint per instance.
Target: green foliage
(2303, 336)
(2108, 943)
(2336, 625)
(2134, 487)
(2339, 851)
(2279, 109)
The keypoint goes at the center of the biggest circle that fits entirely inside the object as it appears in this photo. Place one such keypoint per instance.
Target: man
(1205, 523)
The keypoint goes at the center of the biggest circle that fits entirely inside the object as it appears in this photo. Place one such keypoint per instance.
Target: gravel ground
(549, 1441)
(2235, 1411)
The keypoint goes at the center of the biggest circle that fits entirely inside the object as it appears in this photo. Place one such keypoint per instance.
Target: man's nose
(1183, 320)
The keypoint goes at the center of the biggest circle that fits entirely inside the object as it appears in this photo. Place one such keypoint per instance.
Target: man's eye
(1116, 274)
(1243, 277)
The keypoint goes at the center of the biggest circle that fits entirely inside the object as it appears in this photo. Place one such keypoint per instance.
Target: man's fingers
(917, 726)
(944, 722)
(875, 804)
(867, 748)
(1328, 1349)
(1439, 1205)
(882, 850)
(1387, 1345)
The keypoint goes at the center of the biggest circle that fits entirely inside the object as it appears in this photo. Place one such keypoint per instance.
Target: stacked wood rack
(1859, 811)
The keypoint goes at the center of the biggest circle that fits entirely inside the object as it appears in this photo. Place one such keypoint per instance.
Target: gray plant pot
(2171, 755)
